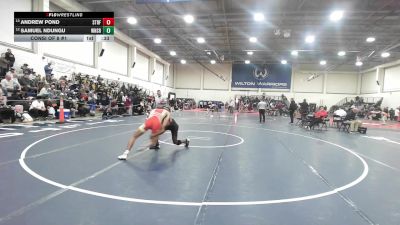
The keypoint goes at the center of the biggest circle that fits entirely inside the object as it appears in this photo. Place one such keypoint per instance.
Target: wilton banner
(271, 76)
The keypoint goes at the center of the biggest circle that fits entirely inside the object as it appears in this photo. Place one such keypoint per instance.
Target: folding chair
(345, 126)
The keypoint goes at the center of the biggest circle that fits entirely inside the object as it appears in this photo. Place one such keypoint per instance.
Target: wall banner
(270, 76)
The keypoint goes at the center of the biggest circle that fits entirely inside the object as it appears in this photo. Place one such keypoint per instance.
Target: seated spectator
(351, 116)
(51, 112)
(37, 108)
(318, 116)
(24, 68)
(44, 91)
(3, 99)
(107, 113)
(83, 109)
(9, 85)
(74, 106)
(340, 112)
(104, 102)
(13, 74)
(26, 83)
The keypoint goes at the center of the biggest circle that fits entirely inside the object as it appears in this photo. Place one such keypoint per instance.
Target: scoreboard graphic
(63, 26)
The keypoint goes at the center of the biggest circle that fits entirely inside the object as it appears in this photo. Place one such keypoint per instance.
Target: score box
(108, 30)
(108, 21)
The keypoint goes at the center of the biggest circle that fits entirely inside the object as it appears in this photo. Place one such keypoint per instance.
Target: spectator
(105, 102)
(12, 72)
(25, 69)
(304, 108)
(44, 91)
(83, 109)
(48, 70)
(3, 99)
(51, 112)
(14, 76)
(318, 116)
(351, 116)
(231, 106)
(128, 105)
(340, 112)
(9, 56)
(391, 113)
(397, 114)
(37, 108)
(292, 109)
(9, 85)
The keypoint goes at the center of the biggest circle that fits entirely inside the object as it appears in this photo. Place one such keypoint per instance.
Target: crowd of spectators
(275, 105)
(83, 94)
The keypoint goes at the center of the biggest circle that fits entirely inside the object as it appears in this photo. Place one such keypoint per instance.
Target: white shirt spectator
(340, 112)
(36, 104)
(9, 84)
(43, 92)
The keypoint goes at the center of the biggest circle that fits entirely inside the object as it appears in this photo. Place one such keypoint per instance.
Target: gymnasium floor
(236, 172)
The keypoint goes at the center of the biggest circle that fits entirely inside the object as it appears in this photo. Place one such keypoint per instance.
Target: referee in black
(262, 105)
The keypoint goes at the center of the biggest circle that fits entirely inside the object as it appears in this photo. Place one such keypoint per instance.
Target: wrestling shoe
(124, 155)
(155, 147)
(187, 142)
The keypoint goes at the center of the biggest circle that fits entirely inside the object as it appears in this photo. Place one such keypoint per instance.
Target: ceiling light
(173, 53)
(283, 61)
(341, 53)
(201, 40)
(183, 61)
(250, 53)
(294, 53)
(253, 39)
(188, 18)
(132, 20)
(157, 40)
(359, 63)
(336, 15)
(258, 17)
(370, 39)
(322, 62)
(310, 39)
(212, 61)
(385, 54)
(247, 61)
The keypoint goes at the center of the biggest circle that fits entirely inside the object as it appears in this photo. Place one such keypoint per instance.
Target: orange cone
(61, 115)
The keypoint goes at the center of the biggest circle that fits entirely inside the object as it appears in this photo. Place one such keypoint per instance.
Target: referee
(262, 105)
